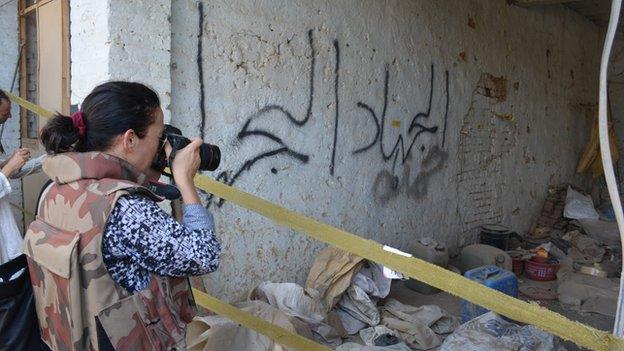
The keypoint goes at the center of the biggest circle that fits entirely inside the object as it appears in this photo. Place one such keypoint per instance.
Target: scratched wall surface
(394, 120)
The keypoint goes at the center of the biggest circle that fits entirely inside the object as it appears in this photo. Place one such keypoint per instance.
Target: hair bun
(59, 135)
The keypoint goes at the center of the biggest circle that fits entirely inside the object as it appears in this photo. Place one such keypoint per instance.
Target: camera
(210, 155)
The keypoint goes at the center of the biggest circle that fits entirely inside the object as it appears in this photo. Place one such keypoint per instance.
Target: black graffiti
(388, 185)
(337, 113)
(398, 152)
(415, 130)
(200, 71)
(446, 109)
(283, 149)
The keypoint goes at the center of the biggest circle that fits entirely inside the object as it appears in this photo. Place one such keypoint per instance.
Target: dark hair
(109, 110)
(3, 96)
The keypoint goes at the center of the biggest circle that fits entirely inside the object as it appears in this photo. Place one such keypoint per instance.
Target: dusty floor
(452, 305)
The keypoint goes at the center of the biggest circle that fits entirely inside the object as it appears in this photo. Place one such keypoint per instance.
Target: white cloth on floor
(292, 299)
(420, 326)
(491, 332)
(357, 310)
(301, 303)
(351, 346)
(372, 280)
(217, 333)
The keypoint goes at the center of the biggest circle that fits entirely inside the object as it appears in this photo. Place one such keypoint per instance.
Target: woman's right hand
(185, 165)
(15, 163)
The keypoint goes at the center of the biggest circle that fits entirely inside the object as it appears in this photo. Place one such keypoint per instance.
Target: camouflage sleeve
(141, 238)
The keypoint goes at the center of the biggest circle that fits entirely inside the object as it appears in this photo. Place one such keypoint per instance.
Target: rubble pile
(585, 246)
(345, 305)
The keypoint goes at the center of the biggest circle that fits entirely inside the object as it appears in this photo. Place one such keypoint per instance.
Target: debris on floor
(433, 252)
(493, 277)
(331, 274)
(216, 333)
(421, 328)
(551, 216)
(351, 346)
(479, 255)
(343, 306)
(579, 206)
(575, 248)
(589, 293)
(491, 332)
(347, 302)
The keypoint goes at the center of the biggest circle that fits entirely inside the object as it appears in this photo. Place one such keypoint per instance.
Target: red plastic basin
(541, 271)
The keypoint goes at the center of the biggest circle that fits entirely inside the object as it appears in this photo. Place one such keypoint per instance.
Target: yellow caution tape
(431, 274)
(276, 333)
(30, 106)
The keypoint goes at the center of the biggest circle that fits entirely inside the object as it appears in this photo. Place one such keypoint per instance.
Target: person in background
(10, 236)
(108, 266)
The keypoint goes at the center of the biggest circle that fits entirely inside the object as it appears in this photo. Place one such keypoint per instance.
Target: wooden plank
(22, 86)
(66, 58)
(23, 76)
(34, 7)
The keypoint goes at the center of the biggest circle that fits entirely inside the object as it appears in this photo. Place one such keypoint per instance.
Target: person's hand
(186, 162)
(185, 165)
(17, 160)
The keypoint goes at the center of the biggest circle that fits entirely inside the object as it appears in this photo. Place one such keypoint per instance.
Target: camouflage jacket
(73, 289)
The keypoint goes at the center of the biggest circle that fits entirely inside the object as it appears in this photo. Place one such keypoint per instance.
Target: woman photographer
(109, 268)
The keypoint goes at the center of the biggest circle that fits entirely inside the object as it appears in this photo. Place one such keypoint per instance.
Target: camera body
(209, 154)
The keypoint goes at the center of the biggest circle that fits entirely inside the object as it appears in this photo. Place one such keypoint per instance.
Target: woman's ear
(129, 141)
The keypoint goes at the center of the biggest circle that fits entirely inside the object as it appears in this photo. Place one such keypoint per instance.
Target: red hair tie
(78, 122)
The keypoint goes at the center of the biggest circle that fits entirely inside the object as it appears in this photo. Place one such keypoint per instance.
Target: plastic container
(542, 271)
(517, 265)
(429, 250)
(495, 235)
(493, 277)
(479, 255)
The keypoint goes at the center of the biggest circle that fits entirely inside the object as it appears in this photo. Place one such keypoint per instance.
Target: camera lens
(210, 157)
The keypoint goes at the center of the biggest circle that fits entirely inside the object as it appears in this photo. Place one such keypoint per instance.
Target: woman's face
(145, 149)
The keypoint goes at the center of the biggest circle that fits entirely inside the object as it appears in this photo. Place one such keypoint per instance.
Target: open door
(44, 78)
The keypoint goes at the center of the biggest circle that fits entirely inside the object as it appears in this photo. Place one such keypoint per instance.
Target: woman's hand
(185, 165)
(15, 162)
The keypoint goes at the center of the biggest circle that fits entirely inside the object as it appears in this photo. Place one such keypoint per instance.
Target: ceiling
(596, 11)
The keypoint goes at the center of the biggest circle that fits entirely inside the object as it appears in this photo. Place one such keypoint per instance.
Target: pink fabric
(78, 121)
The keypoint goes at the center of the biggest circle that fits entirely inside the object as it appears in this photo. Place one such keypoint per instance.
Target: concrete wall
(90, 46)
(140, 39)
(394, 120)
(9, 54)
(121, 40)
